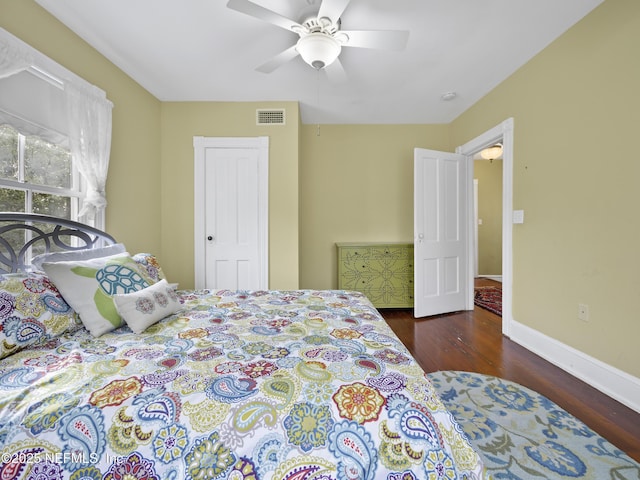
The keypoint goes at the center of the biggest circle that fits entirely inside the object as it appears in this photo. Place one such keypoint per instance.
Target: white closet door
(231, 213)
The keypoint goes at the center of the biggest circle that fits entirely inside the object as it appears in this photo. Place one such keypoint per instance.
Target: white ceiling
(199, 50)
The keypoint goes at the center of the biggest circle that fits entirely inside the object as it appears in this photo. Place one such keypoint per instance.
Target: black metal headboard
(24, 235)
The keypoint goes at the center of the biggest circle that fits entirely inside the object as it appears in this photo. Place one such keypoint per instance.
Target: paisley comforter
(305, 385)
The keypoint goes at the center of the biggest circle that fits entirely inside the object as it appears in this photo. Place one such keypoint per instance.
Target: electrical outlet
(583, 312)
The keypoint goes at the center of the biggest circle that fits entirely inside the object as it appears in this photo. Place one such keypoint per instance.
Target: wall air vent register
(270, 117)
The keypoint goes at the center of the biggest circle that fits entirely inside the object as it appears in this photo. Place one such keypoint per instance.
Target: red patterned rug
(489, 298)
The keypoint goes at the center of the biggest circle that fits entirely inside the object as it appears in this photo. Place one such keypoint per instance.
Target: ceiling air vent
(270, 117)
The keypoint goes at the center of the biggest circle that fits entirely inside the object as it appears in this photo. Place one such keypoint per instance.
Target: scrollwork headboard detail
(23, 235)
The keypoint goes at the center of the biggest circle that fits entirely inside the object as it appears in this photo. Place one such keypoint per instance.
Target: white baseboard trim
(611, 381)
(497, 278)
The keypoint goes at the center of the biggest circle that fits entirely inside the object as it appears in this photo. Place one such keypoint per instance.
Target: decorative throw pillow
(84, 254)
(143, 308)
(89, 285)
(32, 311)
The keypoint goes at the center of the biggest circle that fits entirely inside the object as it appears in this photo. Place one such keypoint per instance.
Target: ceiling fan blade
(280, 59)
(261, 13)
(332, 9)
(336, 73)
(380, 39)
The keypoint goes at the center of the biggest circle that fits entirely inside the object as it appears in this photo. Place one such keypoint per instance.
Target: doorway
(487, 189)
(502, 133)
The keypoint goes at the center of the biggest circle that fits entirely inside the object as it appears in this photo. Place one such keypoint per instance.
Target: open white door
(441, 232)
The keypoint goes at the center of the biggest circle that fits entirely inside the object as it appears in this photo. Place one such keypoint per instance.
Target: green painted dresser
(382, 271)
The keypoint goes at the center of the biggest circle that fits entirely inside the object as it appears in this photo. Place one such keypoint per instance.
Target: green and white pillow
(89, 285)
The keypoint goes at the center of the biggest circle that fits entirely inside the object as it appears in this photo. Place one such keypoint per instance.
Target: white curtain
(90, 140)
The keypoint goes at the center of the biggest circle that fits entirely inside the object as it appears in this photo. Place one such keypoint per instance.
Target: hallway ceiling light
(491, 153)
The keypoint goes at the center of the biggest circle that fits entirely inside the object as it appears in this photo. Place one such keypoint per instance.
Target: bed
(306, 385)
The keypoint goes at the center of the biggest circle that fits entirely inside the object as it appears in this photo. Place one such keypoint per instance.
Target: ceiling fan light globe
(318, 49)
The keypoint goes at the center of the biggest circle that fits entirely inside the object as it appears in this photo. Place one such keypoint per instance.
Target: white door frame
(475, 227)
(500, 133)
(200, 144)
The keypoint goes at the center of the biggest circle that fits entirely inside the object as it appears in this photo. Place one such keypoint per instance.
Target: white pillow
(143, 308)
(89, 285)
(84, 254)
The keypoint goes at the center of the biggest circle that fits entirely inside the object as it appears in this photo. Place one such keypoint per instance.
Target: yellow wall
(576, 108)
(181, 121)
(489, 176)
(356, 184)
(133, 214)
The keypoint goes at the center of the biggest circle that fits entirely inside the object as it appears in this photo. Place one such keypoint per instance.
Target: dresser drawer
(383, 272)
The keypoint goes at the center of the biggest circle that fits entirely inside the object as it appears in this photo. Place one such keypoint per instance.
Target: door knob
(210, 238)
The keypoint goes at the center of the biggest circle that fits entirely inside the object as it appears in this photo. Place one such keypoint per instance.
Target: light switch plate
(518, 216)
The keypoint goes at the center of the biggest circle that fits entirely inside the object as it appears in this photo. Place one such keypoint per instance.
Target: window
(37, 175)
(49, 115)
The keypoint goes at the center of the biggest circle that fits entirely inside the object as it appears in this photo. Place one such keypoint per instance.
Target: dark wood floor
(472, 341)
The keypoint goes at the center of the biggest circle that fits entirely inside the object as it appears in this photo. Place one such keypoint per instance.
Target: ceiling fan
(321, 38)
